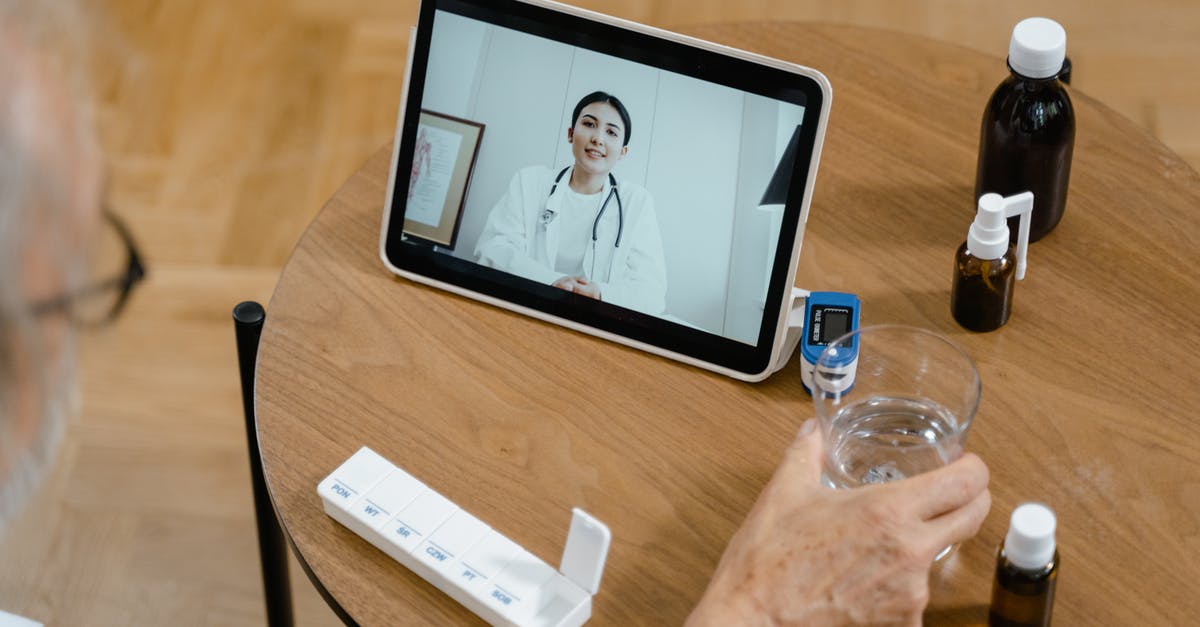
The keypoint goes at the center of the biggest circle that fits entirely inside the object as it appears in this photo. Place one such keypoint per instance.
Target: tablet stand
(795, 330)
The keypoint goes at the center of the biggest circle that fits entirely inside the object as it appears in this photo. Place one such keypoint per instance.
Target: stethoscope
(548, 215)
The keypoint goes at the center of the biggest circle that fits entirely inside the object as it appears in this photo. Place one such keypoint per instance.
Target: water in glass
(888, 438)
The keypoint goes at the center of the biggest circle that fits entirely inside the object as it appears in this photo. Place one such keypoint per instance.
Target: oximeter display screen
(837, 324)
(827, 323)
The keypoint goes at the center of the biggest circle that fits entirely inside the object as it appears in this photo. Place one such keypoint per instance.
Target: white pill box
(476, 565)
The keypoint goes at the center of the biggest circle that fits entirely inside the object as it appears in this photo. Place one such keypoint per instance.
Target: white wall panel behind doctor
(692, 174)
(750, 260)
(520, 94)
(454, 64)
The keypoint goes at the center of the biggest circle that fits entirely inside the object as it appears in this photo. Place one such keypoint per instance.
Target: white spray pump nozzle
(988, 238)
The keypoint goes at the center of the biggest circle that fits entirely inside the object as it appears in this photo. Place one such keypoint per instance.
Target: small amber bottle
(981, 297)
(986, 267)
(1026, 570)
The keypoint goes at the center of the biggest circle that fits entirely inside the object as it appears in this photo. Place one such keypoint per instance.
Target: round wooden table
(1090, 399)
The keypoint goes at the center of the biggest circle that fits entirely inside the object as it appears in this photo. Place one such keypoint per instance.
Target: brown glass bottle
(1021, 597)
(1026, 143)
(981, 295)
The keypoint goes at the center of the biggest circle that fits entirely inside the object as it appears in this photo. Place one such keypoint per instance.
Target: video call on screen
(695, 238)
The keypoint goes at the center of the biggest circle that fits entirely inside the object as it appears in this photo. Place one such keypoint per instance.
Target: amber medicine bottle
(1026, 570)
(1028, 130)
(986, 266)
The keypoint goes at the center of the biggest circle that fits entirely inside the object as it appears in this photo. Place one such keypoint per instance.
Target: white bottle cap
(988, 237)
(1038, 48)
(1030, 541)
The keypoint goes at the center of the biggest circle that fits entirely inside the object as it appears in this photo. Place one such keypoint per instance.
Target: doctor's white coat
(521, 237)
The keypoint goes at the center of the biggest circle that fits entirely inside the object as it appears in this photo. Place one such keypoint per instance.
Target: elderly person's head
(50, 184)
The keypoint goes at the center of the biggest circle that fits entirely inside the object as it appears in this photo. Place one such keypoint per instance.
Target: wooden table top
(1090, 398)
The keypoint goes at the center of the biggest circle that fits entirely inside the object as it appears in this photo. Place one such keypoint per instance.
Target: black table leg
(272, 548)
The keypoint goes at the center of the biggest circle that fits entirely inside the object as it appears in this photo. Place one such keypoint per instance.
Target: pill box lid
(586, 551)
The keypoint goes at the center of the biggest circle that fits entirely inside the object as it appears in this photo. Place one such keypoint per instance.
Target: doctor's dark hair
(606, 98)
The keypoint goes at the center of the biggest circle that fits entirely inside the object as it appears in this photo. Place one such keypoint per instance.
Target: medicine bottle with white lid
(1028, 131)
(986, 267)
(1026, 570)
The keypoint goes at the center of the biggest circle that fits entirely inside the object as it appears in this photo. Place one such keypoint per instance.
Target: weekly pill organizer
(477, 566)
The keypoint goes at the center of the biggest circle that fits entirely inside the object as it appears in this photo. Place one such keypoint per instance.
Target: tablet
(635, 184)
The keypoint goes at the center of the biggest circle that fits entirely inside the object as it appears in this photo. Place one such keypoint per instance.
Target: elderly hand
(811, 555)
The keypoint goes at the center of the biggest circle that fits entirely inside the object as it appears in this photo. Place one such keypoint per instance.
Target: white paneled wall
(693, 176)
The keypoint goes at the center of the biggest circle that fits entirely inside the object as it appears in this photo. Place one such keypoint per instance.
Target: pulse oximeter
(827, 317)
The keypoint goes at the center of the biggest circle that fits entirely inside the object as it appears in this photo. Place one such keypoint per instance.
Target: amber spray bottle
(985, 267)
(1026, 570)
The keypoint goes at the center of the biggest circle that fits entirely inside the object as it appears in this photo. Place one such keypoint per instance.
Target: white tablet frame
(784, 343)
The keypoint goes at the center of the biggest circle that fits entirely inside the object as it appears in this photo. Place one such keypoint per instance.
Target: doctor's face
(597, 139)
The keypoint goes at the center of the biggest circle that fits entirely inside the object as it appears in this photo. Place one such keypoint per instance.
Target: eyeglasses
(114, 267)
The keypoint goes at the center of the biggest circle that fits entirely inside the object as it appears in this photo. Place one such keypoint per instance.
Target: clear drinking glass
(902, 409)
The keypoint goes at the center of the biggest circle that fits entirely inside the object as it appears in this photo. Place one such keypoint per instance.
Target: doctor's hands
(586, 288)
(811, 555)
(579, 285)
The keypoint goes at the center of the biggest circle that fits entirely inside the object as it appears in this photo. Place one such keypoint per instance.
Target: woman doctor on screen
(580, 228)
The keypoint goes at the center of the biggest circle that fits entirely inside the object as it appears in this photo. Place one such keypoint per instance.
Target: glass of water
(893, 401)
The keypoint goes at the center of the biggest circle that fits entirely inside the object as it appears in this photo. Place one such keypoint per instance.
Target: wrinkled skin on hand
(811, 555)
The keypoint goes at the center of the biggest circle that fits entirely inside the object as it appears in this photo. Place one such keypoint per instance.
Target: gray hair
(37, 39)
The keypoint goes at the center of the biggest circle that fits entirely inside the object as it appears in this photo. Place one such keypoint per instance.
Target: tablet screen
(629, 183)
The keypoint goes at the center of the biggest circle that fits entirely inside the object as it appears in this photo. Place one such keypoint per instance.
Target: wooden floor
(227, 124)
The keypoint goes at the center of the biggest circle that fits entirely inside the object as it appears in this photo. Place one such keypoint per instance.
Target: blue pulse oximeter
(828, 316)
